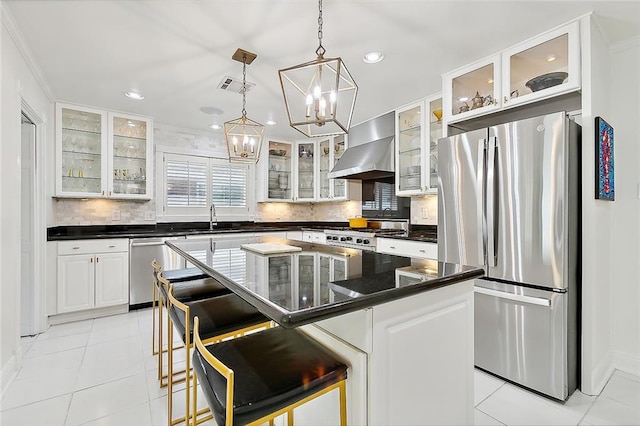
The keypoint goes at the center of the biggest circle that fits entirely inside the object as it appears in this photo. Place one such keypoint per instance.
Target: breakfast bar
(404, 325)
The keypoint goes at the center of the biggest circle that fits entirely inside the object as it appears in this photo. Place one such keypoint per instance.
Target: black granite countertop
(60, 233)
(283, 286)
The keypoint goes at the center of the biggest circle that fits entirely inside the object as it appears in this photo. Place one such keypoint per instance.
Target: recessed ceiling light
(551, 58)
(134, 95)
(215, 126)
(270, 122)
(373, 57)
(211, 110)
(463, 99)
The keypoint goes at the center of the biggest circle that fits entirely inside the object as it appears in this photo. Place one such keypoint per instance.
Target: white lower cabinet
(411, 360)
(408, 248)
(92, 274)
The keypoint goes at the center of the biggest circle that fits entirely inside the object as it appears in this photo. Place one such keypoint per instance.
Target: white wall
(18, 84)
(596, 219)
(625, 210)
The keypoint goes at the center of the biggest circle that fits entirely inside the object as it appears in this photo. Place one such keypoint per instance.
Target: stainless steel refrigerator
(509, 200)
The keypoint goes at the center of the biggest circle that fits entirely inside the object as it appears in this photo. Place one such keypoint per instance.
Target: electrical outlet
(425, 213)
(149, 215)
(115, 215)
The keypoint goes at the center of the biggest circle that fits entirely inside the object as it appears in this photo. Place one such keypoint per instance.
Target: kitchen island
(404, 325)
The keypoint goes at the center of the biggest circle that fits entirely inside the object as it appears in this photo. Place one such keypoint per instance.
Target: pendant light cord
(320, 50)
(244, 87)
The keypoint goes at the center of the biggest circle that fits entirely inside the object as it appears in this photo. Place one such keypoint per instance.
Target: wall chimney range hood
(371, 152)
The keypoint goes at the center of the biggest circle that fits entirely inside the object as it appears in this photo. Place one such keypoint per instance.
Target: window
(229, 185)
(384, 198)
(385, 203)
(186, 182)
(191, 183)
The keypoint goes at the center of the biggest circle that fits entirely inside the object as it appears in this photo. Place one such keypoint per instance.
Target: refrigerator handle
(483, 183)
(492, 202)
(540, 301)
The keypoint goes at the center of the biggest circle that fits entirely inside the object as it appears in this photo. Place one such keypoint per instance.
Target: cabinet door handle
(392, 247)
(109, 193)
(91, 260)
(421, 251)
(97, 259)
(102, 192)
(506, 99)
(112, 246)
(76, 248)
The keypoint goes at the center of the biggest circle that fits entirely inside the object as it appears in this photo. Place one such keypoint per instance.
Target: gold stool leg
(170, 381)
(154, 350)
(343, 403)
(290, 418)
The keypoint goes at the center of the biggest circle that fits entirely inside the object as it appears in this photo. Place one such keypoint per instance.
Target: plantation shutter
(186, 181)
(229, 185)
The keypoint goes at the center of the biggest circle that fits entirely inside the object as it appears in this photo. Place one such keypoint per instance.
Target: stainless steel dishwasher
(142, 252)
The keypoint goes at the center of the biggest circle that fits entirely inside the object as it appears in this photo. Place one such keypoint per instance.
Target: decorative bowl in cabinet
(545, 81)
(437, 113)
(278, 152)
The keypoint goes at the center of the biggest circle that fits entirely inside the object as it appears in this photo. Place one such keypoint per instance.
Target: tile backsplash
(424, 210)
(103, 212)
(305, 212)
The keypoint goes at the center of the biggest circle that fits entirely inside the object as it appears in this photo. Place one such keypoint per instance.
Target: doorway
(28, 324)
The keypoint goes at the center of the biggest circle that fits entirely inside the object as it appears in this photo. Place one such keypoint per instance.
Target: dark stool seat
(272, 370)
(187, 291)
(185, 274)
(218, 315)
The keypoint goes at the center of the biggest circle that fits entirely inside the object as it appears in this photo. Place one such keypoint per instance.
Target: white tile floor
(102, 372)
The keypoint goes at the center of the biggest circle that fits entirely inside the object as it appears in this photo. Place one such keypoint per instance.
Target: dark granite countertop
(60, 233)
(296, 298)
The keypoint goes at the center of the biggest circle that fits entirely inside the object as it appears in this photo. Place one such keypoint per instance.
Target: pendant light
(319, 95)
(243, 135)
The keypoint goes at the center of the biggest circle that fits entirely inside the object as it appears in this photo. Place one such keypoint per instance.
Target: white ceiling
(177, 51)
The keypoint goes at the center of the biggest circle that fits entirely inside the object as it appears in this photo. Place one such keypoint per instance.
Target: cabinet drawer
(407, 248)
(93, 246)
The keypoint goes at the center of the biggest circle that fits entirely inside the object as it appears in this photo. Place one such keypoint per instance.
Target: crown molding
(14, 32)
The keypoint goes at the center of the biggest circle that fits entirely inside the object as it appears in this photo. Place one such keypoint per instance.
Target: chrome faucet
(385, 211)
(212, 215)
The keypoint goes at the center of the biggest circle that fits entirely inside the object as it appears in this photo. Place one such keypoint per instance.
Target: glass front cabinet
(329, 151)
(418, 127)
(305, 171)
(298, 171)
(539, 68)
(102, 154)
(279, 171)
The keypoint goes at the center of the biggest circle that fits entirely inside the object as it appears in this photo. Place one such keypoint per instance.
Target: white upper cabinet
(306, 171)
(472, 90)
(279, 171)
(329, 152)
(542, 67)
(539, 68)
(298, 171)
(102, 154)
(418, 127)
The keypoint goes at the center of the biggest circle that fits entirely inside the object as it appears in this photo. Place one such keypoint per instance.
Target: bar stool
(256, 378)
(188, 284)
(175, 275)
(224, 316)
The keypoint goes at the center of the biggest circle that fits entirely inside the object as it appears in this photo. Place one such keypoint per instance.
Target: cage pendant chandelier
(319, 95)
(243, 135)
